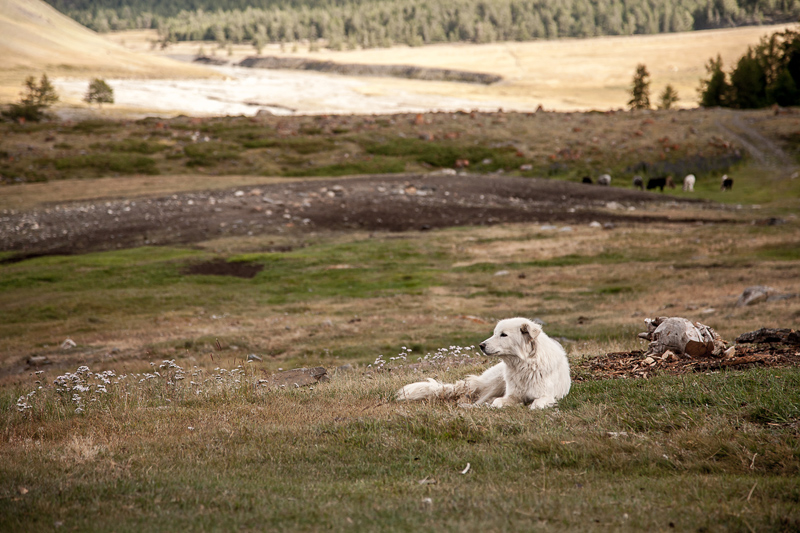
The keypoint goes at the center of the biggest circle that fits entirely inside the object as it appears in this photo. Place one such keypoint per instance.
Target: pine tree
(715, 90)
(668, 97)
(640, 90)
(748, 83)
(35, 99)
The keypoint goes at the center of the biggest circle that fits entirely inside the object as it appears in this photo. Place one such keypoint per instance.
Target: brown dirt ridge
(394, 203)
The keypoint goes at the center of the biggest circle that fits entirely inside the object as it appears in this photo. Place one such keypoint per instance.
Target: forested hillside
(370, 23)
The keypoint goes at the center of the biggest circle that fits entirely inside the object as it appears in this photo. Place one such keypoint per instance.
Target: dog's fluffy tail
(432, 389)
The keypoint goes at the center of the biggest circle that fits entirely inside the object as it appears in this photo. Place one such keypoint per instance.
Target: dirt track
(371, 203)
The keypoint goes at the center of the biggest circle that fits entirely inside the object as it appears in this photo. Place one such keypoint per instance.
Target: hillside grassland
(155, 419)
(561, 75)
(566, 146)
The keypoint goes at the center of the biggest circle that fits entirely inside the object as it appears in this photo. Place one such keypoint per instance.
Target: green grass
(104, 162)
(131, 145)
(211, 153)
(374, 165)
(336, 457)
(445, 153)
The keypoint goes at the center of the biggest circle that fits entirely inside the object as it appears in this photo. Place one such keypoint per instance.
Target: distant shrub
(94, 126)
(376, 165)
(34, 101)
(99, 92)
(131, 145)
(211, 153)
(445, 154)
(122, 163)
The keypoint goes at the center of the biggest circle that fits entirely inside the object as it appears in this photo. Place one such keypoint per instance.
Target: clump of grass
(375, 165)
(131, 145)
(102, 163)
(211, 153)
(444, 154)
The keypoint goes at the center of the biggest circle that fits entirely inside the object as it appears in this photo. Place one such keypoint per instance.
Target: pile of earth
(409, 202)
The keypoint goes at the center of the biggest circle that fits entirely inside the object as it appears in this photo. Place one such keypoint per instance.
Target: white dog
(534, 371)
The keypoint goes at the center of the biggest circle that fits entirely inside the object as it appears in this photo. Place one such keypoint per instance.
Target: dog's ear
(530, 330)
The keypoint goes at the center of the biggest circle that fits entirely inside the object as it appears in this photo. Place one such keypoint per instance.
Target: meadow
(157, 419)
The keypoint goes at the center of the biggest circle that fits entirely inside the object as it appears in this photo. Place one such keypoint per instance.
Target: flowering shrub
(165, 382)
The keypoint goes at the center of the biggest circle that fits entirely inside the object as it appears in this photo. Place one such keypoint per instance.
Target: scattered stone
(68, 344)
(753, 295)
(347, 367)
(254, 357)
(501, 273)
(38, 360)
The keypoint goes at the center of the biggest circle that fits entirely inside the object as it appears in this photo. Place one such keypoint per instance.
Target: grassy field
(168, 426)
(565, 146)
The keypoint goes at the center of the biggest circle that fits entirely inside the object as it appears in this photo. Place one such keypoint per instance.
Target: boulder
(753, 295)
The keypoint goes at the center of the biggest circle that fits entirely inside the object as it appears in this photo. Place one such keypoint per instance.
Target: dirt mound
(408, 202)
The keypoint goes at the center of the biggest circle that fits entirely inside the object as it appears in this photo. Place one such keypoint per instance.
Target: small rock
(755, 294)
(254, 357)
(501, 273)
(68, 344)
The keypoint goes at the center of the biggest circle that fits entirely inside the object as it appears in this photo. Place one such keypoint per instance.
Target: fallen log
(770, 336)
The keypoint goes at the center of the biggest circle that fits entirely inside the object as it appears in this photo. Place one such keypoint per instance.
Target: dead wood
(770, 336)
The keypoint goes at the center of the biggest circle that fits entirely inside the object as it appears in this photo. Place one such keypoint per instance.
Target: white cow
(605, 179)
(688, 183)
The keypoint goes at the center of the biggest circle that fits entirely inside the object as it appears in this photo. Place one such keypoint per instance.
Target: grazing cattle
(669, 183)
(638, 183)
(587, 180)
(727, 183)
(605, 179)
(688, 183)
(657, 183)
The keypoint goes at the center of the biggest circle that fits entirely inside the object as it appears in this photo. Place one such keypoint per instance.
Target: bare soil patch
(395, 203)
(220, 267)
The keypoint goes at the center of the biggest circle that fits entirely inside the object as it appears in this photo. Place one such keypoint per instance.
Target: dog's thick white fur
(534, 370)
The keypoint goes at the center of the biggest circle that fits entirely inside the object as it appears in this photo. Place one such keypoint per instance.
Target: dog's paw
(499, 403)
(543, 403)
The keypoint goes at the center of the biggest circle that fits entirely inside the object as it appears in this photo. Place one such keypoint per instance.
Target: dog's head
(513, 337)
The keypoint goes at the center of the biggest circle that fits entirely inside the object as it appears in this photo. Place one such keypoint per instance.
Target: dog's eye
(503, 335)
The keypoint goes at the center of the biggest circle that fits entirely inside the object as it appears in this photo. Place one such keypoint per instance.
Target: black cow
(657, 183)
(727, 183)
(587, 180)
(638, 183)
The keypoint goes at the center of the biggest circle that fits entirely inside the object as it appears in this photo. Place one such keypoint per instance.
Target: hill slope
(37, 38)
